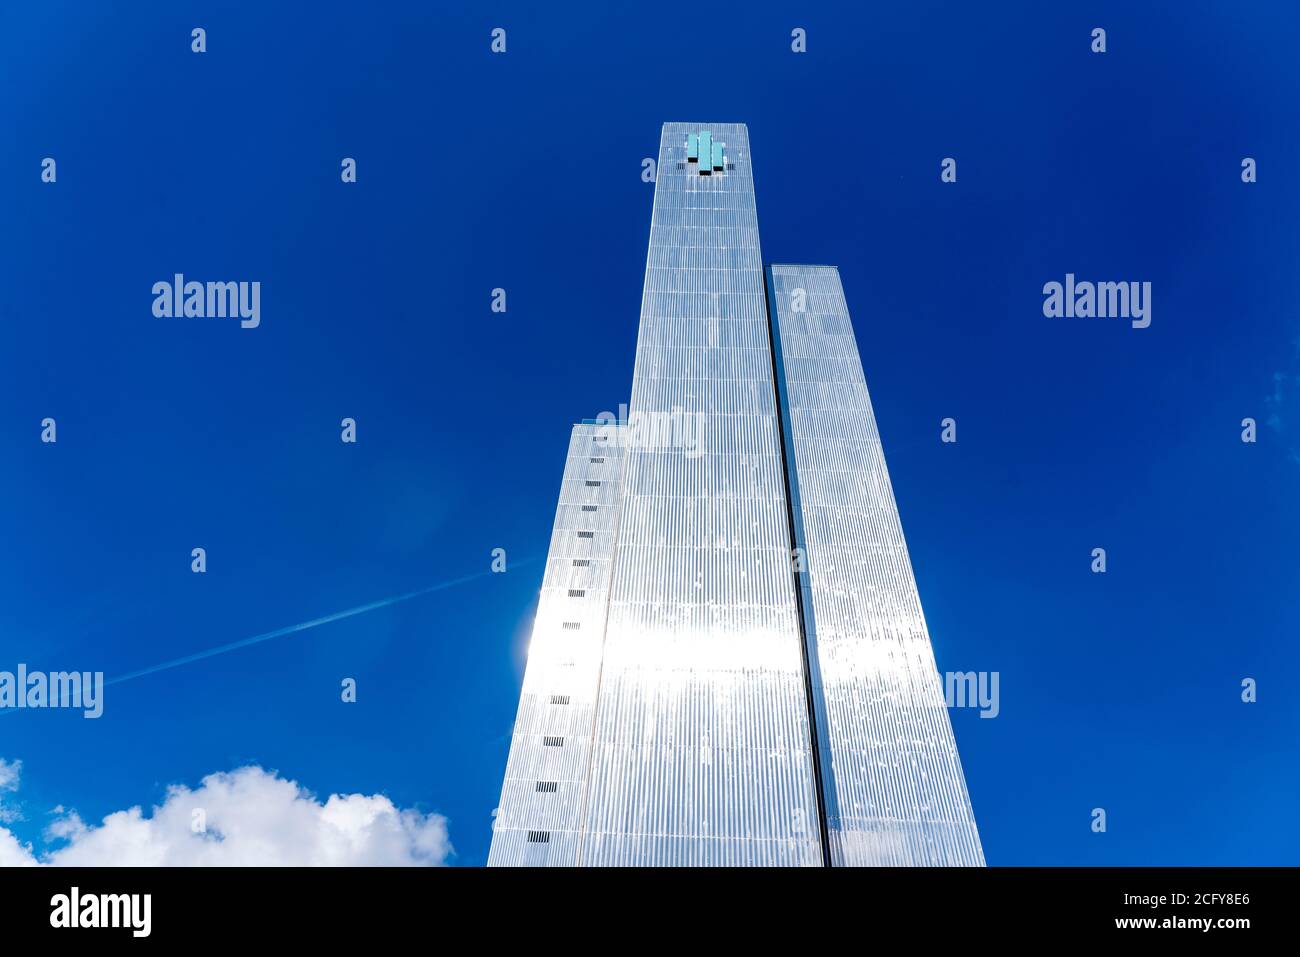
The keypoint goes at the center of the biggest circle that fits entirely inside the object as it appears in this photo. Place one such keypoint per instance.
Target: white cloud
(9, 771)
(9, 774)
(12, 852)
(249, 817)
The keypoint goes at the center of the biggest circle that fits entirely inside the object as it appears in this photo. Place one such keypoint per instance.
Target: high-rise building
(729, 664)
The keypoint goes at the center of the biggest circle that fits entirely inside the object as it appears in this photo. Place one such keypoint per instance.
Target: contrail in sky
(304, 625)
(301, 626)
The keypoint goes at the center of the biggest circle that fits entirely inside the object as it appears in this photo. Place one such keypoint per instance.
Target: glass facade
(701, 752)
(538, 820)
(895, 793)
(739, 674)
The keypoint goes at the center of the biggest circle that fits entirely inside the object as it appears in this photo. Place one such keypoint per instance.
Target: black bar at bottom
(469, 907)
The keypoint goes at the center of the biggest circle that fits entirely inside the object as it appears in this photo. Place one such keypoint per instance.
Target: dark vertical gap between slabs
(823, 773)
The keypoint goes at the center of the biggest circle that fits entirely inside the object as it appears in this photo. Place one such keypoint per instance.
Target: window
(572, 625)
(539, 837)
(577, 592)
(581, 562)
(589, 508)
(597, 460)
(553, 741)
(559, 699)
(592, 484)
(584, 534)
(548, 787)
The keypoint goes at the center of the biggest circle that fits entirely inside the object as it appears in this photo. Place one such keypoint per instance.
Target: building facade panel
(702, 752)
(538, 820)
(899, 794)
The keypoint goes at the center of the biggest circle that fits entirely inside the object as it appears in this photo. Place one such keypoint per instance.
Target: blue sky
(522, 171)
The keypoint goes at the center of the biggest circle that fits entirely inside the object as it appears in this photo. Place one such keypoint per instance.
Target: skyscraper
(729, 664)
